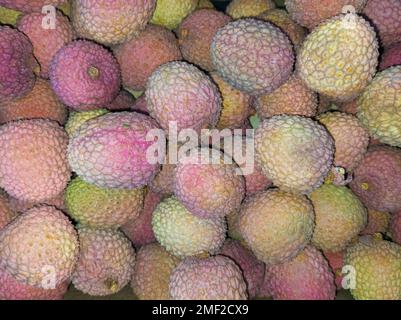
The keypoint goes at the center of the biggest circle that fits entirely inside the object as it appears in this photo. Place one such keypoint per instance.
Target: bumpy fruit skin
(282, 19)
(105, 263)
(276, 225)
(214, 278)
(395, 227)
(170, 13)
(178, 91)
(378, 222)
(350, 137)
(85, 76)
(295, 153)
(236, 105)
(19, 206)
(28, 6)
(380, 104)
(47, 173)
(386, 16)
(339, 217)
(377, 266)
(6, 213)
(196, 34)
(141, 105)
(248, 8)
(110, 151)
(252, 269)
(260, 64)
(184, 234)
(292, 98)
(205, 4)
(102, 208)
(208, 190)
(391, 56)
(17, 64)
(152, 271)
(377, 179)
(11, 289)
(336, 262)
(46, 41)
(255, 180)
(77, 119)
(40, 103)
(350, 107)
(310, 13)
(139, 230)
(9, 16)
(306, 277)
(339, 58)
(140, 56)
(111, 22)
(37, 244)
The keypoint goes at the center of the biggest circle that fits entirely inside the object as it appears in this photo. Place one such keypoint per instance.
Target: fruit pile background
(319, 81)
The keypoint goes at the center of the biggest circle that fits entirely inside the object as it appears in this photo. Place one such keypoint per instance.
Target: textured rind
(282, 19)
(252, 269)
(140, 56)
(379, 107)
(77, 119)
(11, 289)
(208, 190)
(141, 105)
(111, 22)
(236, 107)
(46, 42)
(295, 153)
(336, 263)
(6, 212)
(9, 16)
(196, 34)
(139, 230)
(255, 180)
(178, 91)
(205, 4)
(151, 275)
(17, 64)
(391, 56)
(377, 179)
(386, 17)
(377, 265)
(292, 98)
(184, 234)
(339, 217)
(214, 278)
(19, 206)
(47, 173)
(350, 137)
(40, 103)
(102, 208)
(71, 79)
(378, 222)
(110, 151)
(276, 225)
(248, 8)
(39, 242)
(339, 58)
(309, 13)
(252, 55)
(307, 277)
(105, 263)
(170, 13)
(395, 227)
(28, 6)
